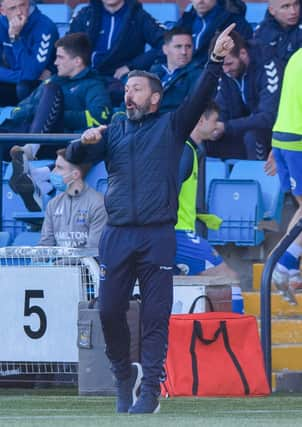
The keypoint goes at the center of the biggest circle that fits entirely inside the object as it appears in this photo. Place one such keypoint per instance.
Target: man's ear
(155, 98)
(164, 49)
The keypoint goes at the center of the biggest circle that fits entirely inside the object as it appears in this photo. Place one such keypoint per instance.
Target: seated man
(119, 32)
(280, 33)
(206, 17)
(179, 74)
(71, 100)
(75, 217)
(27, 41)
(248, 96)
(194, 255)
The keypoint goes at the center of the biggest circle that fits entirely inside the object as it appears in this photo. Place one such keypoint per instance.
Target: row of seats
(247, 200)
(237, 191)
(61, 14)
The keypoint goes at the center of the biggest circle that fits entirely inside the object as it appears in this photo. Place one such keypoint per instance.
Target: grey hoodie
(74, 221)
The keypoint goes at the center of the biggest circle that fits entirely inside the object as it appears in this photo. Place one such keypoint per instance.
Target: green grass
(56, 408)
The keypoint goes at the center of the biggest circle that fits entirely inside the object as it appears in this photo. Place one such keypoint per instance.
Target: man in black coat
(142, 155)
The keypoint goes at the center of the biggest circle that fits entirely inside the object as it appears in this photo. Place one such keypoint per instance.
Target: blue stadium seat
(59, 13)
(163, 12)
(5, 238)
(27, 238)
(272, 195)
(215, 169)
(239, 204)
(97, 177)
(255, 12)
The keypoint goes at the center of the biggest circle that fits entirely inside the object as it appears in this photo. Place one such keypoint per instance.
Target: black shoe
(127, 390)
(16, 154)
(147, 403)
(20, 182)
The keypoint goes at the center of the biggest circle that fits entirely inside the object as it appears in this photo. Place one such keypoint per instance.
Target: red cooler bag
(214, 354)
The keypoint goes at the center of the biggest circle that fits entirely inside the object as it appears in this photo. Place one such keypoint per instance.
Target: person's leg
(226, 147)
(195, 256)
(8, 94)
(154, 269)
(257, 144)
(117, 278)
(286, 275)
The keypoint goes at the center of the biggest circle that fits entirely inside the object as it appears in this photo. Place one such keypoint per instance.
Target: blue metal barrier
(30, 138)
(265, 302)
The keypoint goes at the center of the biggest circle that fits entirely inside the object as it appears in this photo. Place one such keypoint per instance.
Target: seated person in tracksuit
(194, 255)
(178, 74)
(119, 32)
(71, 100)
(248, 96)
(76, 216)
(280, 32)
(207, 17)
(27, 49)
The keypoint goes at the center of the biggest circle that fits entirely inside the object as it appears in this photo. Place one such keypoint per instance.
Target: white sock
(295, 250)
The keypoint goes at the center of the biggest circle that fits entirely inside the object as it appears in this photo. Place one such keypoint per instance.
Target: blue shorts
(194, 254)
(289, 170)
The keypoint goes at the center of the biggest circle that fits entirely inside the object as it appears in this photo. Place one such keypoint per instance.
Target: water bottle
(237, 300)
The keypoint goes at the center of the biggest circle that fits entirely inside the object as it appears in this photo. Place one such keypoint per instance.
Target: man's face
(65, 63)
(138, 97)
(13, 8)
(65, 169)
(178, 51)
(203, 6)
(207, 125)
(286, 12)
(233, 66)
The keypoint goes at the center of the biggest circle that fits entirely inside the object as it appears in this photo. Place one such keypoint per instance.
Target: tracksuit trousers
(146, 253)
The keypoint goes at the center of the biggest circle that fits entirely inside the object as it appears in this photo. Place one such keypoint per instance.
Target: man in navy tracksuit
(27, 49)
(119, 31)
(248, 97)
(142, 155)
(280, 33)
(207, 17)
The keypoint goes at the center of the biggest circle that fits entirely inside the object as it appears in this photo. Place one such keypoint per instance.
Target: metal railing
(265, 301)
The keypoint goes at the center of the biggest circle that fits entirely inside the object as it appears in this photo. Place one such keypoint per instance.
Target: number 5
(34, 309)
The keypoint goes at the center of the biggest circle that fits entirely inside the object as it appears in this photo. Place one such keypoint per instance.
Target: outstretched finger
(227, 30)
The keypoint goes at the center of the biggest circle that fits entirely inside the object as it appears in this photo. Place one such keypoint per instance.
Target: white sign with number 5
(38, 313)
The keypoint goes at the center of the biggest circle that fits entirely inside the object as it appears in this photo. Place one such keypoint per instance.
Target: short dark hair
(177, 31)
(153, 79)
(239, 43)
(211, 107)
(84, 168)
(76, 44)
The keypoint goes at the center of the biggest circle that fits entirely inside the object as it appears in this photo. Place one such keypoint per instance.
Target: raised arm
(189, 112)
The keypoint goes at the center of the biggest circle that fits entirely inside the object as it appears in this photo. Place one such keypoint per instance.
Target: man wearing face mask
(75, 217)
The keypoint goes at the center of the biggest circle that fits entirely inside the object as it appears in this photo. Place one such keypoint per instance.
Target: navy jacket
(142, 158)
(31, 53)
(278, 43)
(214, 21)
(252, 101)
(138, 29)
(179, 86)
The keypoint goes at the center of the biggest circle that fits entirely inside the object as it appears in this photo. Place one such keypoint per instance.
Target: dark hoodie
(216, 20)
(137, 29)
